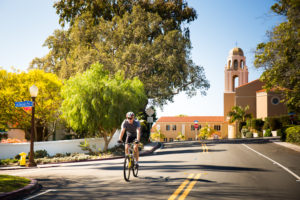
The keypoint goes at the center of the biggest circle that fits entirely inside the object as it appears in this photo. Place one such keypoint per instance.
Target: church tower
(236, 74)
(235, 68)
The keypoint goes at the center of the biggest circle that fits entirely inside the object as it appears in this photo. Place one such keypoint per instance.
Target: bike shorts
(130, 138)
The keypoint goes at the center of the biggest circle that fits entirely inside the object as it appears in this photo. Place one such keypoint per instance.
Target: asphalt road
(179, 171)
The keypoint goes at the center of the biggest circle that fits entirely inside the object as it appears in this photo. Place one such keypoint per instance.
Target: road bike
(129, 163)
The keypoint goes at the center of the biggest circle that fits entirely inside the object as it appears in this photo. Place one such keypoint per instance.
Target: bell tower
(235, 69)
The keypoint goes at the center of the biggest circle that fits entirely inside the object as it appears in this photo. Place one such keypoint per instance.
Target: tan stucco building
(170, 127)
(261, 104)
(237, 92)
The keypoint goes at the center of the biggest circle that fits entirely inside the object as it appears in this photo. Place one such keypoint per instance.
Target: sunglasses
(130, 118)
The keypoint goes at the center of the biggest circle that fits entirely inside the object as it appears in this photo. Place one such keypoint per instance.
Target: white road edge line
(274, 162)
(51, 190)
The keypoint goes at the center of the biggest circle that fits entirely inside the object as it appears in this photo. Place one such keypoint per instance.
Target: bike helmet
(130, 115)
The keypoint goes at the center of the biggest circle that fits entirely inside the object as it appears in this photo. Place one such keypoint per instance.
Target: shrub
(266, 124)
(257, 124)
(244, 131)
(274, 123)
(40, 154)
(268, 133)
(293, 134)
(249, 134)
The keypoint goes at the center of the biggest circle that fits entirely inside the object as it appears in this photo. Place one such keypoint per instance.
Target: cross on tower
(236, 44)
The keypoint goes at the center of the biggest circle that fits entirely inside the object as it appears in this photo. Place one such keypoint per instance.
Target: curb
(32, 187)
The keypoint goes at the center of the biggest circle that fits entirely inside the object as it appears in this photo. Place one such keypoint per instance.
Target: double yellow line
(205, 148)
(192, 180)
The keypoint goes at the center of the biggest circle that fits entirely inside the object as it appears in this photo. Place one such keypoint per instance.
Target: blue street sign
(24, 104)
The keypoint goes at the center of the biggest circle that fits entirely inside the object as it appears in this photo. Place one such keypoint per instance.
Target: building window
(174, 127)
(170, 139)
(167, 127)
(217, 127)
(275, 100)
(235, 64)
(165, 139)
(190, 139)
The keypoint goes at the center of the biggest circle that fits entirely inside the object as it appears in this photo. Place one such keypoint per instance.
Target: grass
(10, 183)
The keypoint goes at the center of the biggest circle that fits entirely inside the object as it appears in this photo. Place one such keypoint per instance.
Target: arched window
(242, 64)
(235, 82)
(235, 64)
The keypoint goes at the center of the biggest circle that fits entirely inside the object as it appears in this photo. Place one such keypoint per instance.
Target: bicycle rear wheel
(127, 163)
(135, 170)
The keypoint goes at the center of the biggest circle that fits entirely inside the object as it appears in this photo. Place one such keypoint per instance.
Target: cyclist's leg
(128, 140)
(136, 152)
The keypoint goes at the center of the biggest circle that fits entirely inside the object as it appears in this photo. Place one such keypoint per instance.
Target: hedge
(293, 134)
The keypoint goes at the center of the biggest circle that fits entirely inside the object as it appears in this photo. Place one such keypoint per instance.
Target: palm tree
(238, 114)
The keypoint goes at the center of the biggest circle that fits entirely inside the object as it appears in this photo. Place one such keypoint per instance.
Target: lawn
(11, 183)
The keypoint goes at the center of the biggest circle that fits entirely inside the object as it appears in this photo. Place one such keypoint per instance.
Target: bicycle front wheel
(127, 166)
(135, 170)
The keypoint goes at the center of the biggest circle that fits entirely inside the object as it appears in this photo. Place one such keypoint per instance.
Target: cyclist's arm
(122, 131)
(121, 134)
(138, 131)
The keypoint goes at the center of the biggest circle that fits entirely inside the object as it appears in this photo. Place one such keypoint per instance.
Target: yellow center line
(204, 148)
(174, 195)
(190, 187)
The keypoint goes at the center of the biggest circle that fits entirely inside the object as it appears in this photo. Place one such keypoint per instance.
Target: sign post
(149, 112)
(196, 127)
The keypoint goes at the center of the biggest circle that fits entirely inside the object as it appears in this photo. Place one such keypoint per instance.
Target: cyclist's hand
(120, 141)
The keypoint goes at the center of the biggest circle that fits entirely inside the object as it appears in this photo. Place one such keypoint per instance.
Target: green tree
(14, 87)
(140, 43)
(157, 136)
(206, 132)
(97, 101)
(180, 136)
(174, 12)
(238, 114)
(280, 56)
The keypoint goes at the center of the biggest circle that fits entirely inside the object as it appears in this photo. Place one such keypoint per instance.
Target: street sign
(150, 119)
(149, 112)
(24, 104)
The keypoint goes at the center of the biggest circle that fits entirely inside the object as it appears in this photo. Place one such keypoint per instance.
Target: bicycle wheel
(127, 163)
(135, 170)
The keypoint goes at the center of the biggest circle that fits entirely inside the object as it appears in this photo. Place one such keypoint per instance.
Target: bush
(244, 131)
(249, 134)
(268, 133)
(274, 123)
(293, 134)
(257, 124)
(40, 154)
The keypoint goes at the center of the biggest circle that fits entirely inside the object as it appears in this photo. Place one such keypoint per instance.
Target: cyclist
(132, 128)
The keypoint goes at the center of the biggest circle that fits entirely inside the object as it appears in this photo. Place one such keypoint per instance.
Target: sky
(220, 26)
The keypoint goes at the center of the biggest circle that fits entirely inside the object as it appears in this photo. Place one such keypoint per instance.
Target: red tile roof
(248, 83)
(263, 90)
(191, 119)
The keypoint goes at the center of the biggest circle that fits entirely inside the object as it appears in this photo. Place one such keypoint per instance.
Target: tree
(238, 114)
(280, 56)
(14, 87)
(97, 102)
(180, 136)
(206, 132)
(140, 43)
(174, 12)
(157, 136)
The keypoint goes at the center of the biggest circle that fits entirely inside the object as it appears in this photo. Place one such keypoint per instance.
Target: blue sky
(221, 24)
